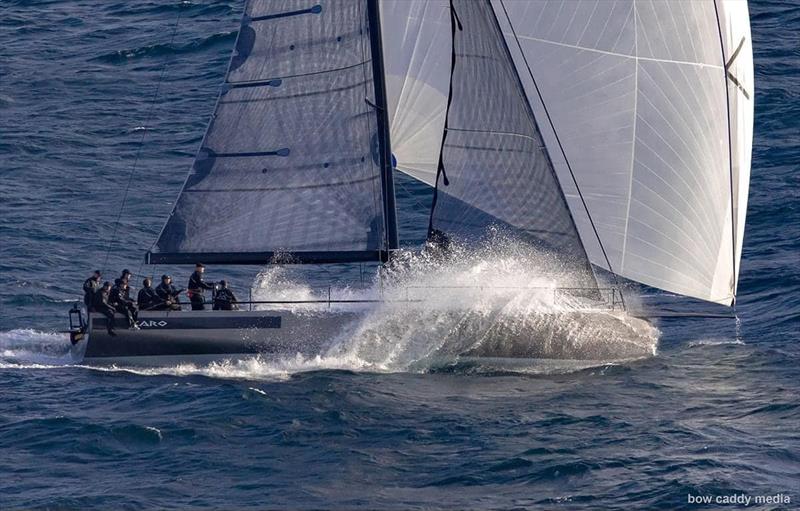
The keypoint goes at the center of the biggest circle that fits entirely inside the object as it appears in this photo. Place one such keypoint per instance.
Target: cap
(199, 265)
(126, 271)
(165, 277)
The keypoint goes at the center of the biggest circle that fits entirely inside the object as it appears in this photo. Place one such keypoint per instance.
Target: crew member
(119, 299)
(90, 287)
(224, 299)
(196, 288)
(102, 305)
(148, 299)
(126, 277)
(168, 294)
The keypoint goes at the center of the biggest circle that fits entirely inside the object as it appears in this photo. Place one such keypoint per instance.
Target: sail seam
(509, 133)
(616, 54)
(633, 136)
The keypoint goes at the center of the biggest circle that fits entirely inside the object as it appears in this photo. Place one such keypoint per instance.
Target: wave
(714, 342)
(34, 349)
(161, 50)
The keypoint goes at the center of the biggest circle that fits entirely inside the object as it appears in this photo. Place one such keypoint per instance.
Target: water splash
(32, 348)
(502, 300)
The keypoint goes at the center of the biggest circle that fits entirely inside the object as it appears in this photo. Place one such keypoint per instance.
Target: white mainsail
(651, 104)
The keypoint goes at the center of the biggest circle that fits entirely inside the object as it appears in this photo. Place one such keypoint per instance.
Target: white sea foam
(714, 342)
(33, 349)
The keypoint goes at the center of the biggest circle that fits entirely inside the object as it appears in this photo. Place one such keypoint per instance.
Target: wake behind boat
(590, 147)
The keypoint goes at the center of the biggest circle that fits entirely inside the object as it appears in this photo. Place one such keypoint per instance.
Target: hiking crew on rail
(108, 300)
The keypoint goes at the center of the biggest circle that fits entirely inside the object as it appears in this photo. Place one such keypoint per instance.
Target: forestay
(651, 104)
(495, 169)
(291, 162)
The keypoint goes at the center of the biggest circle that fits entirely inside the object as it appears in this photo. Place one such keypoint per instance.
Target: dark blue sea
(102, 107)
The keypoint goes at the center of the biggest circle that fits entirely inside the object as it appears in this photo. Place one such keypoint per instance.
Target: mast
(384, 144)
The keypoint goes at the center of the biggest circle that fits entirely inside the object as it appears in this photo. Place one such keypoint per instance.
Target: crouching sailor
(224, 299)
(102, 305)
(196, 288)
(148, 299)
(168, 294)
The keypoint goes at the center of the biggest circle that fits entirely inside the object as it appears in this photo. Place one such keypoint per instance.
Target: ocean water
(710, 407)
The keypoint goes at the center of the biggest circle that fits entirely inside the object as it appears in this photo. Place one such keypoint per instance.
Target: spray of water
(503, 300)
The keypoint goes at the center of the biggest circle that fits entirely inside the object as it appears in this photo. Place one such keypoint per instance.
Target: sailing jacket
(101, 300)
(148, 298)
(224, 299)
(90, 287)
(197, 284)
(167, 292)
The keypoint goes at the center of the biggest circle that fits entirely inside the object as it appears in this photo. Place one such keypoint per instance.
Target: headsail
(651, 104)
(417, 47)
(495, 169)
(294, 158)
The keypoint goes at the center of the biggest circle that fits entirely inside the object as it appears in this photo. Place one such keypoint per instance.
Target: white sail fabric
(735, 24)
(416, 47)
(639, 102)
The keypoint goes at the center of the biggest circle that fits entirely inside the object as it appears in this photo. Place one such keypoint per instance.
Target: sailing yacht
(614, 137)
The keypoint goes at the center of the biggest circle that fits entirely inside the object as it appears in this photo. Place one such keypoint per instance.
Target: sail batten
(293, 160)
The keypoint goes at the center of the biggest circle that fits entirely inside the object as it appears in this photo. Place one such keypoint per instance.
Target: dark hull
(202, 336)
(168, 338)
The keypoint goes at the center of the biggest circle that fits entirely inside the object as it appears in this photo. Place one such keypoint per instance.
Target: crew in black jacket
(90, 287)
(120, 300)
(196, 288)
(148, 299)
(102, 305)
(168, 294)
(224, 299)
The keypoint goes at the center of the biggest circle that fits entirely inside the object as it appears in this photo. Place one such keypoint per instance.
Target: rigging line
(141, 141)
(537, 130)
(730, 155)
(561, 147)
(454, 21)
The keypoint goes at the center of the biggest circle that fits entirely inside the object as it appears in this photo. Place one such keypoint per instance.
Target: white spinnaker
(636, 91)
(417, 46)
